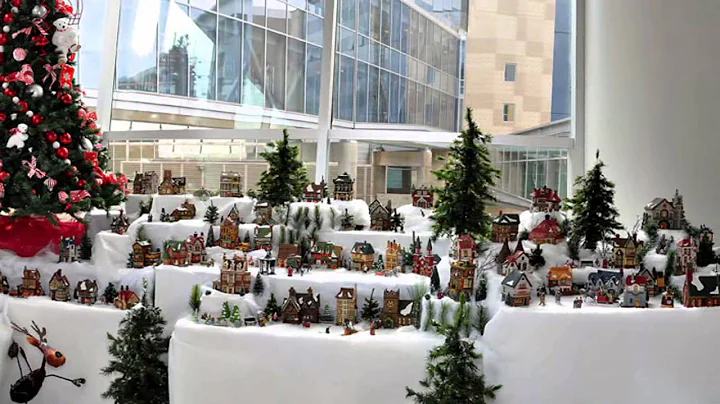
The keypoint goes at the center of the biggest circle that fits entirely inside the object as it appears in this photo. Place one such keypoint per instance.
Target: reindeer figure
(28, 386)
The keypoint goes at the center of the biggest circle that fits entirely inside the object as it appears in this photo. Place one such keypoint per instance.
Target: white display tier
(288, 363)
(78, 331)
(171, 202)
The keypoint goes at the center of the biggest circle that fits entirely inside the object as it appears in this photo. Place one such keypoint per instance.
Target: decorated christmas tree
(536, 258)
(286, 177)
(141, 375)
(593, 209)
(52, 158)
(467, 175)
(371, 308)
(110, 294)
(452, 372)
(379, 264)
(272, 306)
(211, 214)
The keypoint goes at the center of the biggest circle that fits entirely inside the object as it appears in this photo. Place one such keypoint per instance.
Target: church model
(344, 187)
(665, 214)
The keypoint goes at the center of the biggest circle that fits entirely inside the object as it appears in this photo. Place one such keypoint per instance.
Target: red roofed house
(196, 248)
(464, 248)
(625, 251)
(686, 256)
(518, 261)
(547, 232)
(635, 294)
(422, 197)
(545, 200)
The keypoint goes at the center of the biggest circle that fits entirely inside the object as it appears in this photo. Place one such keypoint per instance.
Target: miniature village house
(701, 290)
(300, 307)
(464, 248)
(145, 183)
(120, 224)
(346, 305)
(393, 255)
(344, 187)
(547, 232)
(665, 214)
(423, 264)
(516, 289)
(235, 278)
(196, 248)
(505, 227)
(655, 282)
(502, 257)
(231, 184)
(263, 213)
(545, 200)
(625, 251)
(126, 299)
(285, 251)
(229, 234)
(324, 254)
(635, 294)
(263, 237)
(171, 185)
(462, 278)
(59, 287)
(314, 192)
(86, 292)
(186, 211)
(518, 261)
(422, 197)
(686, 256)
(606, 285)
(176, 253)
(396, 312)
(706, 234)
(143, 254)
(380, 216)
(68, 250)
(561, 278)
(31, 285)
(363, 256)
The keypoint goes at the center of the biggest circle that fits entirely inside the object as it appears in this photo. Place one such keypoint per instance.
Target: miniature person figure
(440, 294)
(327, 330)
(372, 328)
(290, 271)
(558, 295)
(668, 299)
(275, 317)
(306, 322)
(150, 217)
(542, 297)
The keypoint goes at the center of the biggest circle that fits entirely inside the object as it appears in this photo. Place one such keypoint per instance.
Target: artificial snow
(358, 208)
(414, 219)
(530, 220)
(245, 205)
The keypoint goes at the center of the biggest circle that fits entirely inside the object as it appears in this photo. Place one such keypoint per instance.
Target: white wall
(653, 101)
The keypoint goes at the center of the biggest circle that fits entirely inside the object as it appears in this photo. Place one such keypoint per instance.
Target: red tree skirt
(27, 236)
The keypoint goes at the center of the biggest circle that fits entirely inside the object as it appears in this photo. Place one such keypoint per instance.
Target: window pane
(399, 180)
(385, 56)
(394, 108)
(428, 106)
(253, 66)
(420, 119)
(312, 103)
(315, 29)
(295, 76)
(437, 46)
(254, 11)
(411, 101)
(276, 15)
(375, 19)
(510, 71)
(174, 42)
(396, 15)
(363, 48)
(375, 53)
(316, 6)
(385, 22)
(364, 17)
(362, 93)
(384, 96)
(275, 80)
(413, 34)
(402, 101)
(373, 99)
(347, 13)
(205, 4)
(90, 59)
(137, 51)
(231, 7)
(347, 79)
(445, 62)
(296, 22)
(298, 3)
(395, 61)
(405, 27)
(436, 109)
(422, 32)
(346, 42)
(202, 54)
(229, 60)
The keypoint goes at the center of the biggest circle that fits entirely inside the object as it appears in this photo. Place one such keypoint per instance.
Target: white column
(107, 72)
(326, 91)
(652, 100)
(576, 155)
(424, 171)
(347, 157)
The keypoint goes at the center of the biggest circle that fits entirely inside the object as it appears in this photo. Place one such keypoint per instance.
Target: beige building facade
(509, 63)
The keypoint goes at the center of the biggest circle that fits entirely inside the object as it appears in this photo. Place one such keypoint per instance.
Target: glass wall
(526, 168)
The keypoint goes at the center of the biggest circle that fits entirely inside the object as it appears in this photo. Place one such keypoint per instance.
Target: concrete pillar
(326, 91)
(345, 153)
(107, 72)
(652, 101)
(424, 174)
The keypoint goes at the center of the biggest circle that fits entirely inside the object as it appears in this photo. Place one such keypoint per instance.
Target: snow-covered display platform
(288, 363)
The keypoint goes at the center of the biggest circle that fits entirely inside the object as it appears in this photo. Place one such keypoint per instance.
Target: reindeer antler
(20, 329)
(41, 334)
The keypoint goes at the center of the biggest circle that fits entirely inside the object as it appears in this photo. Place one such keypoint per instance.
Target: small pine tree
(210, 242)
(235, 318)
(130, 261)
(468, 176)
(481, 319)
(137, 351)
(347, 221)
(211, 214)
(573, 247)
(651, 230)
(226, 312)
(482, 287)
(379, 264)
(536, 258)
(705, 254)
(594, 212)
(371, 308)
(317, 218)
(259, 286)
(110, 293)
(285, 177)
(452, 373)
(524, 235)
(670, 266)
(195, 299)
(435, 280)
(86, 247)
(272, 306)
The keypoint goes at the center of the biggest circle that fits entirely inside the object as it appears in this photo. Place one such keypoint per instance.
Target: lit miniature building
(263, 237)
(626, 251)
(176, 253)
(68, 249)
(120, 224)
(655, 282)
(145, 183)
(59, 287)
(86, 292)
(267, 264)
(422, 197)
(324, 254)
(464, 248)
(126, 299)
(344, 187)
(314, 192)
(686, 256)
(229, 234)
(171, 185)
(505, 227)
(285, 251)
(394, 255)
(346, 305)
(635, 294)
(518, 261)
(424, 264)
(299, 307)
(665, 214)
(231, 184)
(502, 256)
(380, 216)
(363, 256)
(396, 312)
(143, 254)
(31, 285)
(196, 248)
(547, 232)
(562, 278)
(545, 200)
(462, 278)
(186, 211)
(516, 289)
(234, 276)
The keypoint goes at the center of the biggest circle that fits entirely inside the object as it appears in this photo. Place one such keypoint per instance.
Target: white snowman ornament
(19, 136)
(65, 39)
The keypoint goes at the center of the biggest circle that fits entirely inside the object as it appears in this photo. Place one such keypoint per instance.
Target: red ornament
(82, 183)
(63, 152)
(4, 176)
(68, 206)
(65, 138)
(24, 107)
(37, 119)
(3, 39)
(34, 192)
(16, 3)
(51, 136)
(10, 92)
(66, 98)
(2, 117)
(2, 57)
(9, 18)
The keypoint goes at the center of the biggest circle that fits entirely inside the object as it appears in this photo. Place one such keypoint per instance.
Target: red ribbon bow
(86, 117)
(50, 73)
(25, 75)
(37, 23)
(34, 171)
(75, 196)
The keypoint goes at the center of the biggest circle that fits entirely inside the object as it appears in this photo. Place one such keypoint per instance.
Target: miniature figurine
(290, 271)
(665, 214)
(327, 330)
(542, 297)
(59, 287)
(344, 187)
(422, 197)
(68, 250)
(372, 328)
(120, 224)
(31, 285)
(349, 328)
(577, 303)
(558, 294)
(86, 292)
(668, 299)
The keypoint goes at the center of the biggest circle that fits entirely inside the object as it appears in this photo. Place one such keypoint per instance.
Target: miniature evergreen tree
(347, 221)
(110, 293)
(481, 319)
(259, 286)
(705, 254)
(211, 214)
(130, 261)
(371, 308)
(651, 230)
(145, 206)
(210, 242)
(317, 218)
(452, 373)
(482, 287)
(235, 318)
(285, 177)
(435, 280)
(86, 247)
(468, 176)
(137, 351)
(379, 264)
(397, 221)
(670, 263)
(226, 312)
(573, 247)
(536, 258)
(272, 306)
(195, 300)
(164, 217)
(594, 212)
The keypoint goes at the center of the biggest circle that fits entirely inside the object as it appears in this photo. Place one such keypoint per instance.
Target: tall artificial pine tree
(593, 209)
(136, 359)
(211, 214)
(468, 176)
(258, 286)
(210, 241)
(51, 159)
(286, 177)
(371, 308)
